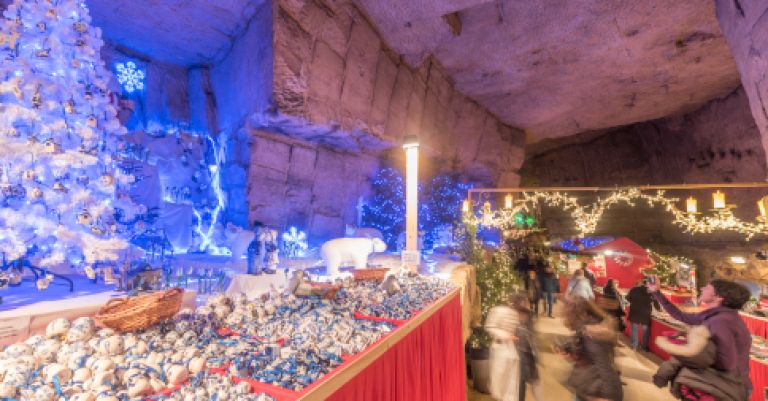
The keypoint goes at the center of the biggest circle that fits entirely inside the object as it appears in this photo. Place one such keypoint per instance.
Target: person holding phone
(722, 299)
(640, 308)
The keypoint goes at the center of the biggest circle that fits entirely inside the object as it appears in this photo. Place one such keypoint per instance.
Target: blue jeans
(646, 335)
(549, 299)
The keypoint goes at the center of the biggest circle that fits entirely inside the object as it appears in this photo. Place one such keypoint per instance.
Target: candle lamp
(718, 200)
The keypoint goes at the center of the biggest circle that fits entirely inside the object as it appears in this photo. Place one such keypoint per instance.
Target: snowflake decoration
(295, 243)
(129, 76)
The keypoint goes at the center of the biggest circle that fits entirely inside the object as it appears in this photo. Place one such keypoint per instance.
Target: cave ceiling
(557, 68)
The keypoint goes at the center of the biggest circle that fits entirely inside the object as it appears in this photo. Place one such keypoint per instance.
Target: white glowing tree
(58, 135)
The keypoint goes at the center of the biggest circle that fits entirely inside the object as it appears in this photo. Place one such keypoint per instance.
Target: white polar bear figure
(355, 250)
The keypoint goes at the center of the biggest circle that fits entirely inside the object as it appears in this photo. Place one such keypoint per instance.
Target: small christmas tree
(58, 135)
(386, 208)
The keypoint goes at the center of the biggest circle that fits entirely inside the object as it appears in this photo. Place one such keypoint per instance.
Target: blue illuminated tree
(441, 205)
(385, 210)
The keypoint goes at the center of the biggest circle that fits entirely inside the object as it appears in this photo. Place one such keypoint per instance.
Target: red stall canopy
(624, 261)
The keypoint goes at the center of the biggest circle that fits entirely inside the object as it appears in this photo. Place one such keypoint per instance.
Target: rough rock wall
(717, 143)
(294, 182)
(745, 26)
(164, 101)
(333, 73)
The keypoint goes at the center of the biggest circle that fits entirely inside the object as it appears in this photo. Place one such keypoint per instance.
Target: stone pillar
(745, 26)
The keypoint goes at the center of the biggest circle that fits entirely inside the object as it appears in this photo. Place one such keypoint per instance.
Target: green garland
(663, 266)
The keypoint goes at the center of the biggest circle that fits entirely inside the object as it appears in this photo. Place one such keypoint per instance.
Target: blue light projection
(580, 244)
(130, 76)
(219, 153)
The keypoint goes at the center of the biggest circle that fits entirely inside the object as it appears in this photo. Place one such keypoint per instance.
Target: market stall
(624, 261)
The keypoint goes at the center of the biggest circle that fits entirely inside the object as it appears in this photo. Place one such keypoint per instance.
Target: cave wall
(337, 82)
(718, 143)
(745, 26)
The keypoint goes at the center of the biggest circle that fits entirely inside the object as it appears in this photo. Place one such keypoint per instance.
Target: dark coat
(594, 373)
(640, 304)
(550, 282)
(533, 289)
(691, 366)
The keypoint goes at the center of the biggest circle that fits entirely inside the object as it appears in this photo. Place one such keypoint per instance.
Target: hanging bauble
(35, 193)
(43, 53)
(91, 121)
(29, 175)
(84, 217)
(37, 100)
(80, 27)
(96, 230)
(51, 147)
(41, 26)
(69, 106)
(59, 187)
(14, 277)
(107, 179)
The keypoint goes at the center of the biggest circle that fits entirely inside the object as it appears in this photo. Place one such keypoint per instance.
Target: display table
(758, 373)
(756, 325)
(18, 324)
(421, 359)
(677, 298)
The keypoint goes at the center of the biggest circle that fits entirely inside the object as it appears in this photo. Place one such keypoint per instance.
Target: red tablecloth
(757, 326)
(758, 373)
(675, 298)
(427, 364)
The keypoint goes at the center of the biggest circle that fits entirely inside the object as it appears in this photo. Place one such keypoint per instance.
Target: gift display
(218, 351)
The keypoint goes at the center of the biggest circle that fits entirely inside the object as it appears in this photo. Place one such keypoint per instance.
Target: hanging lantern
(718, 200)
(508, 201)
(91, 121)
(762, 205)
(80, 27)
(691, 205)
(487, 207)
(29, 175)
(59, 187)
(107, 179)
(51, 147)
(35, 193)
(84, 217)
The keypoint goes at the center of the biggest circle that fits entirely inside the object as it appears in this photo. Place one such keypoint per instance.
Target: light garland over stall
(586, 217)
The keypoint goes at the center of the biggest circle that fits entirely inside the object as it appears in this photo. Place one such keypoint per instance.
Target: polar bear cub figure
(344, 250)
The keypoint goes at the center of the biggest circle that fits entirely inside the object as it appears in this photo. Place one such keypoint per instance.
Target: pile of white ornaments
(298, 339)
(281, 339)
(413, 292)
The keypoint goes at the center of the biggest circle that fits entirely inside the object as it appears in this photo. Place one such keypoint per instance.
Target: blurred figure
(594, 376)
(525, 343)
(579, 286)
(611, 303)
(722, 299)
(588, 274)
(504, 362)
(550, 285)
(640, 304)
(533, 290)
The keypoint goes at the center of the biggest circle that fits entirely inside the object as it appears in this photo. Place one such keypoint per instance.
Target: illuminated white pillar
(410, 255)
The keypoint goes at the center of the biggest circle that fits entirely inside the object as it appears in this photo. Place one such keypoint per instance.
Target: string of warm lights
(586, 217)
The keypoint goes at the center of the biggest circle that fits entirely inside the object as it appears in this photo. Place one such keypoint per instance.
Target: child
(525, 343)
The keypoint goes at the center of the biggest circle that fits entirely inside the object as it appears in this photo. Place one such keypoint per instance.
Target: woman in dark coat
(611, 303)
(594, 376)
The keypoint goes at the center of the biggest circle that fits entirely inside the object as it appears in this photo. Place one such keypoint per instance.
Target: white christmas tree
(58, 137)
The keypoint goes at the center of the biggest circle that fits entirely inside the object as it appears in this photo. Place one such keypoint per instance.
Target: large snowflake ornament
(130, 76)
(295, 243)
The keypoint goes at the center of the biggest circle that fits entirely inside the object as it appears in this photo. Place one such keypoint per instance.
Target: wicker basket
(376, 274)
(136, 313)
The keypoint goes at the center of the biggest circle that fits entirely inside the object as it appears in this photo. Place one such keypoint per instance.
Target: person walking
(504, 361)
(641, 305)
(550, 285)
(588, 274)
(525, 342)
(594, 376)
(722, 299)
(579, 286)
(611, 303)
(533, 290)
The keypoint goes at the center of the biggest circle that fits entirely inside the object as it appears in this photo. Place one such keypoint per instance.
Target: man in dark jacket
(549, 286)
(723, 299)
(588, 274)
(640, 303)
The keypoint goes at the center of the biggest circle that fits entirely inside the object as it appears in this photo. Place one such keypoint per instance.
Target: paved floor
(636, 370)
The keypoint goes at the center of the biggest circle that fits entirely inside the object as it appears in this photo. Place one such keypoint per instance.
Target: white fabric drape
(504, 363)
